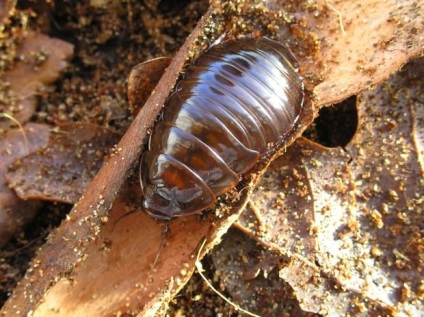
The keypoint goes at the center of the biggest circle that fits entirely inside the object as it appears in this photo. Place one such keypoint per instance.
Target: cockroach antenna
(162, 241)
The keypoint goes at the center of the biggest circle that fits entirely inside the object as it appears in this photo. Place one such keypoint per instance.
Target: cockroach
(237, 103)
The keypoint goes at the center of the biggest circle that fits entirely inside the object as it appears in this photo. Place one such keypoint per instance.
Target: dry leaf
(281, 209)
(143, 79)
(61, 171)
(365, 233)
(249, 273)
(351, 45)
(41, 60)
(14, 212)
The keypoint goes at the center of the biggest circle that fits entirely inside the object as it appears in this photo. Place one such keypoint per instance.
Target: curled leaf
(14, 212)
(62, 170)
(143, 79)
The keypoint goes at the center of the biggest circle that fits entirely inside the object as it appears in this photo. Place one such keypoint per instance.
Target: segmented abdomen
(236, 102)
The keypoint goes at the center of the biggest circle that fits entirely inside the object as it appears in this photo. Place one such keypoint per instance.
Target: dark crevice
(336, 125)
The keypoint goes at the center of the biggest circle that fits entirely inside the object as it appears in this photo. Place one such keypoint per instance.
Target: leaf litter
(356, 248)
(328, 93)
(61, 170)
(14, 212)
(40, 61)
(31, 62)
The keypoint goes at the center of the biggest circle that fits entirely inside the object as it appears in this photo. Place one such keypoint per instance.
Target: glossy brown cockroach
(235, 104)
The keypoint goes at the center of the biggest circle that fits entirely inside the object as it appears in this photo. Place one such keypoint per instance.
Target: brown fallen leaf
(389, 193)
(281, 210)
(41, 60)
(140, 291)
(249, 273)
(351, 45)
(62, 170)
(365, 231)
(16, 143)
